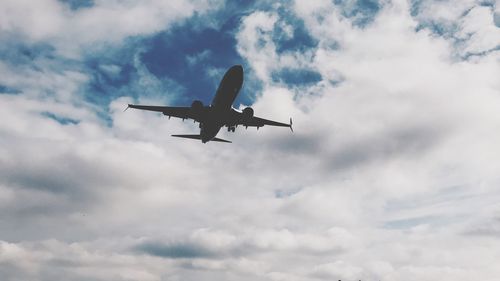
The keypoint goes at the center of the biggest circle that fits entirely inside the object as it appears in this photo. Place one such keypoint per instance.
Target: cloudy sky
(393, 172)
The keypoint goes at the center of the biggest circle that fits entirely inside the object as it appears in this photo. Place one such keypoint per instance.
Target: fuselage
(221, 105)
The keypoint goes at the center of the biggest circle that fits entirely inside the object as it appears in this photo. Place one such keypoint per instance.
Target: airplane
(220, 113)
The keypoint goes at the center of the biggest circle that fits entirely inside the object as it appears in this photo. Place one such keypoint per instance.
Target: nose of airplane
(237, 68)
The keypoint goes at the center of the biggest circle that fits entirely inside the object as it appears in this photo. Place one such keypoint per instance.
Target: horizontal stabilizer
(220, 140)
(198, 137)
(195, 137)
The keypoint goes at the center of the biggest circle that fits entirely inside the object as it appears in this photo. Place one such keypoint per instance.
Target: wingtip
(291, 123)
(127, 107)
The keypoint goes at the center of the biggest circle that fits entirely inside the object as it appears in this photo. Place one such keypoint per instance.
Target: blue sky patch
(291, 34)
(409, 222)
(445, 29)
(363, 12)
(415, 6)
(16, 52)
(296, 77)
(8, 90)
(118, 72)
(487, 3)
(186, 62)
(440, 29)
(285, 193)
(108, 79)
(78, 4)
(196, 58)
(468, 55)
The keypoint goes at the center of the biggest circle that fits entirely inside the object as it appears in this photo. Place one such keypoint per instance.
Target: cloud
(73, 31)
(173, 251)
(337, 270)
(32, 261)
(471, 24)
(391, 173)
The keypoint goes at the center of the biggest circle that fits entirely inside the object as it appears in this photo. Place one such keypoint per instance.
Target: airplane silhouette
(219, 113)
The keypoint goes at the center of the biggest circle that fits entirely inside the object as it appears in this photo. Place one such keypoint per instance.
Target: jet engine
(197, 107)
(247, 113)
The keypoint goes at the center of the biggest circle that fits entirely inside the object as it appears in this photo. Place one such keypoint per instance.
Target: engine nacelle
(247, 113)
(197, 107)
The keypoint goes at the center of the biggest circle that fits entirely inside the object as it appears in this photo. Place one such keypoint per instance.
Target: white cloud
(338, 269)
(75, 261)
(407, 120)
(472, 23)
(479, 24)
(98, 26)
(255, 43)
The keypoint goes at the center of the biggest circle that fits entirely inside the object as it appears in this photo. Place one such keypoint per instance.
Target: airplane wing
(170, 111)
(260, 122)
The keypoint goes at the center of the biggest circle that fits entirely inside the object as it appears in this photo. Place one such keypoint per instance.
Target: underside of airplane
(219, 113)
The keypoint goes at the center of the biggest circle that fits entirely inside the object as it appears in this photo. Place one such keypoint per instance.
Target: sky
(391, 173)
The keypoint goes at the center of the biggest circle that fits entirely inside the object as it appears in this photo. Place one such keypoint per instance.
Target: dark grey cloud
(407, 141)
(8, 90)
(496, 18)
(58, 170)
(301, 143)
(11, 271)
(175, 250)
(488, 228)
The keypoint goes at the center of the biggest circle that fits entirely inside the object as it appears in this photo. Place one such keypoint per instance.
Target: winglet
(291, 123)
(127, 107)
